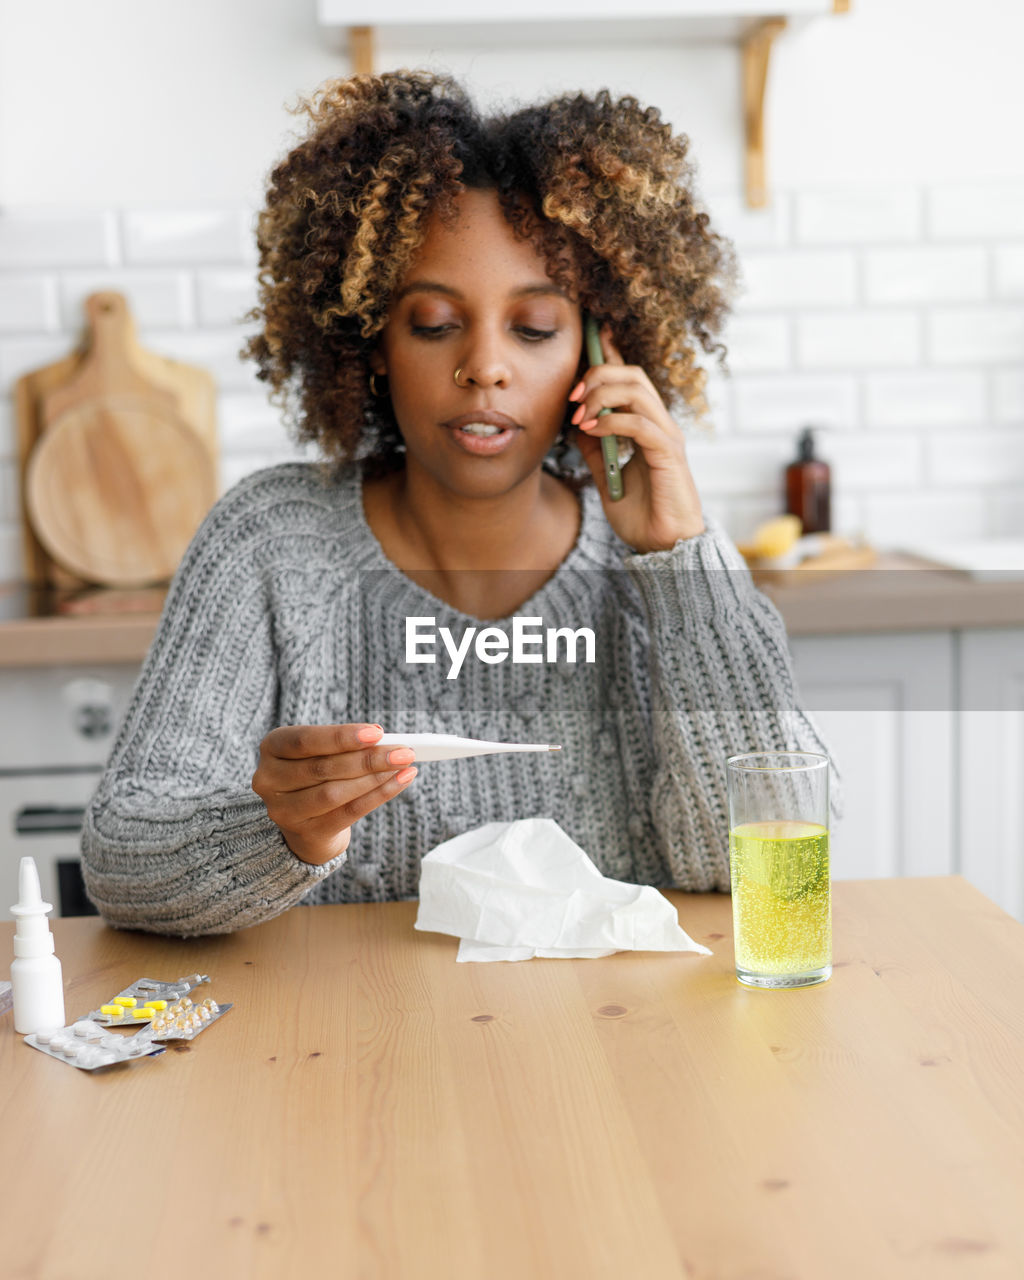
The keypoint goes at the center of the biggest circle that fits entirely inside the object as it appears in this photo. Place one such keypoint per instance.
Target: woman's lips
(483, 445)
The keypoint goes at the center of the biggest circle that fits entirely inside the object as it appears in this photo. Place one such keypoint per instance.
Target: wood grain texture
(116, 488)
(372, 1108)
(191, 390)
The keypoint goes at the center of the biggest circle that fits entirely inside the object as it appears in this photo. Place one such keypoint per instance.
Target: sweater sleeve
(174, 839)
(722, 684)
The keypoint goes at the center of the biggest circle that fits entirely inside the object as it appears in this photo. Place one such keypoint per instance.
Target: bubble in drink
(781, 898)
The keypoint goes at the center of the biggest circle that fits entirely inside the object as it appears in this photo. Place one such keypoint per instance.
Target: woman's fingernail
(578, 415)
(370, 734)
(591, 422)
(401, 755)
(406, 775)
(577, 390)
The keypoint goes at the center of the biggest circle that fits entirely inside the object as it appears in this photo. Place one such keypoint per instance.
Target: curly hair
(600, 186)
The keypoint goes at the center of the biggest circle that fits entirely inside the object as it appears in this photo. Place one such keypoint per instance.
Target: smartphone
(609, 444)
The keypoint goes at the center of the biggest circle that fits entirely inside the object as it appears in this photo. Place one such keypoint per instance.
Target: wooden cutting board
(118, 453)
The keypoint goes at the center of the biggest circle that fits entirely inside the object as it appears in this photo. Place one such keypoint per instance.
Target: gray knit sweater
(285, 610)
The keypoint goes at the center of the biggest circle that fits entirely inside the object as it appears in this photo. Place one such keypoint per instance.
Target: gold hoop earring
(375, 390)
(457, 382)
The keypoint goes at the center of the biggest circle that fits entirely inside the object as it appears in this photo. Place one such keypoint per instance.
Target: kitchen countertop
(371, 1107)
(900, 593)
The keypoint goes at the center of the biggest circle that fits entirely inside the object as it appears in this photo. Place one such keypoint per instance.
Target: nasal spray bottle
(35, 971)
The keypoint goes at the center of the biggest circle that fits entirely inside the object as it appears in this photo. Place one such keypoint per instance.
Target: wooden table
(370, 1108)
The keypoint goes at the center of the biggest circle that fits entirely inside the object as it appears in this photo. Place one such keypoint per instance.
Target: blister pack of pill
(86, 1045)
(143, 999)
(183, 1020)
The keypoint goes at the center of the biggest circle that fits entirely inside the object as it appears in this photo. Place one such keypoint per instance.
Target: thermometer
(445, 746)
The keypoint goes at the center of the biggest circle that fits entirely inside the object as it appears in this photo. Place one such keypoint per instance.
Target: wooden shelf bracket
(361, 51)
(755, 41)
(756, 55)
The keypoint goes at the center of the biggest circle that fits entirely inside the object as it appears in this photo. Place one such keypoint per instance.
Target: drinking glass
(778, 854)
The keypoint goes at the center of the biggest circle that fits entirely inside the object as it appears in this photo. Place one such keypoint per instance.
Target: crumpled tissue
(515, 890)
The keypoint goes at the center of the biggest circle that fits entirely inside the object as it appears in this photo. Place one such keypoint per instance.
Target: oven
(57, 725)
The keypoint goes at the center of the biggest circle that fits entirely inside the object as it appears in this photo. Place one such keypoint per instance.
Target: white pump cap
(32, 937)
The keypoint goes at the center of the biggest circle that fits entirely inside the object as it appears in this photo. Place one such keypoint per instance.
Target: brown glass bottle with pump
(809, 487)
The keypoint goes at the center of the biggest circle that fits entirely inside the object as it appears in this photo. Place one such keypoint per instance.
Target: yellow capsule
(129, 1002)
(155, 1004)
(141, 1013)
(112, 1010)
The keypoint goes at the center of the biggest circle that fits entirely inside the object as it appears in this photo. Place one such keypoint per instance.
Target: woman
(424, 278)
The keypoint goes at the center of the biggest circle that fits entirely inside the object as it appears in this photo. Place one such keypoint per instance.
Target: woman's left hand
(660, 504)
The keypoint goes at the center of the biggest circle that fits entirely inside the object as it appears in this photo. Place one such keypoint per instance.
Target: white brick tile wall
(8, 444)
(848, 514)
(249, 423)
(750, 228)
(28, 303)
(741, 515)
(48, 239)
(863, 338)
(10, 498)
(156, 299)
(186, 236)
(213, 349)
(731, 466)
(892, 215)
(757, 342)
(867, 464)
(1005, 513)
(976, 458)
(234, 466)
(718, 393)
(22, 355)
(1008, 395)
(12, 568)
(225, 296)
(785, 402)
(926, 275)
(1009, 272)
(976, 335)
(976, 211)
(813, 278)
(893, 317)
(897, 520)
(928, 398)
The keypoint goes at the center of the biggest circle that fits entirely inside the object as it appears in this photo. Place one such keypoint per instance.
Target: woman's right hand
(317, 779)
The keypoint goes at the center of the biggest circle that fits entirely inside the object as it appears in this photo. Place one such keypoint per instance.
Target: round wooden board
(116, 488)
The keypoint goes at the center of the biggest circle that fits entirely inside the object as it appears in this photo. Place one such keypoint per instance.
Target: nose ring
(457, 382)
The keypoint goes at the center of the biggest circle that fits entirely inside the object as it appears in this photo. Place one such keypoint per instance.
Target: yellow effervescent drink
(779, 861)
(781, 902)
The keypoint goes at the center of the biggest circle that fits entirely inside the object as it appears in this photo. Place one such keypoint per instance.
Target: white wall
(124, 102)
(885, 285)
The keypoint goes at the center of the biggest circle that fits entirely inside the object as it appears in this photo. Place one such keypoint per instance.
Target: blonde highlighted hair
(601, 186)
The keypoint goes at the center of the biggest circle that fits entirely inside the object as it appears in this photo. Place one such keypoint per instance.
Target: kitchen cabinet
(991, 757)
(56, 731)
(927, 729)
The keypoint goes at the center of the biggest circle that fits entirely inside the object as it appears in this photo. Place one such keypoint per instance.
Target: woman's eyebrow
(545, 288)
